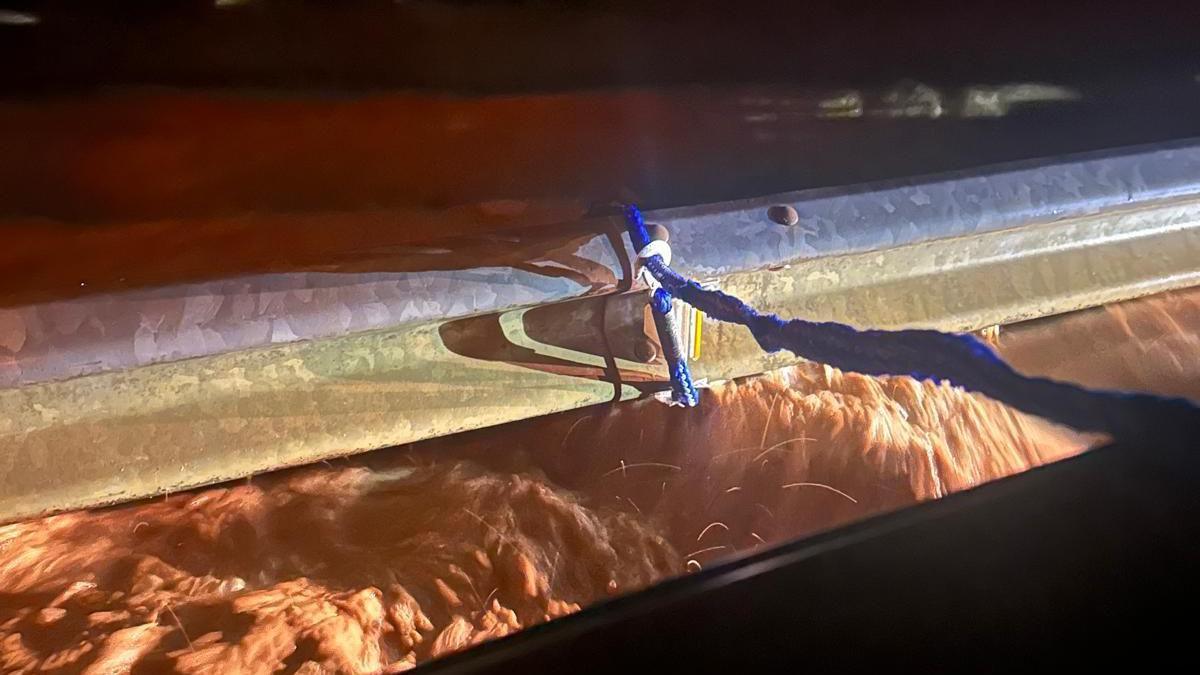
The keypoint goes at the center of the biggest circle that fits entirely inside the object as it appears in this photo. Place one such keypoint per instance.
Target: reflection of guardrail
(121, 396)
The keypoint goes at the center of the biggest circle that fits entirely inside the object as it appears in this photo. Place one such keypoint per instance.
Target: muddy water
(1150, 344)
(384, 561)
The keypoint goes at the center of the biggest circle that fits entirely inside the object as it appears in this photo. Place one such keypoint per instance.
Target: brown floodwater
(380, 562)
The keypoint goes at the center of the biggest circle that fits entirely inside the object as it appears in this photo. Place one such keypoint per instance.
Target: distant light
(11, 18)
(846, 104)
(998, 101)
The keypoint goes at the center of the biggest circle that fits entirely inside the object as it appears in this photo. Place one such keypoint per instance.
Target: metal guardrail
(115, 397)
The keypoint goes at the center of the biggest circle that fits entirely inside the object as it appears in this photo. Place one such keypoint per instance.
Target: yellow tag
(691, 327)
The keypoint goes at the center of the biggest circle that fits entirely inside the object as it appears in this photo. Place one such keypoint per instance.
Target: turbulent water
(390, 559)
(384, 562)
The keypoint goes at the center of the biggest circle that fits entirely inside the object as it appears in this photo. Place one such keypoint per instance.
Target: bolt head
(646, 351)
(783, 214)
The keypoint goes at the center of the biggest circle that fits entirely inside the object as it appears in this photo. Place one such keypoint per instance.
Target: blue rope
(683, 391)
(961, 360)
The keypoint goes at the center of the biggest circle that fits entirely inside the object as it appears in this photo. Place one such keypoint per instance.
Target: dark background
(495, 46)
(151, 142)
